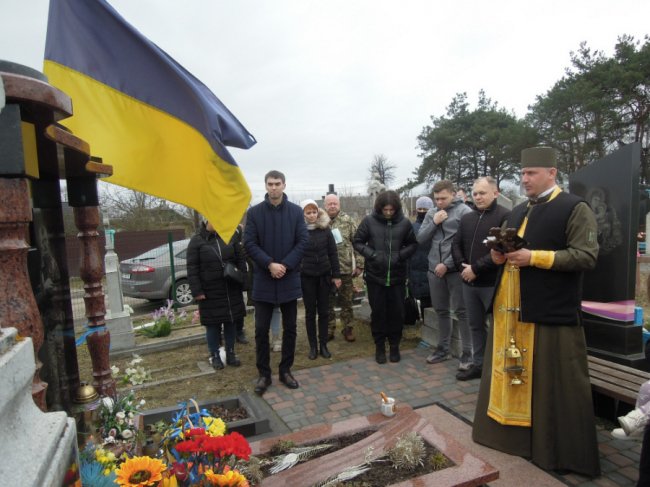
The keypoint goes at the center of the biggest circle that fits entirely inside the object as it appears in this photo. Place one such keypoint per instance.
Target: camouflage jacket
(348, 258)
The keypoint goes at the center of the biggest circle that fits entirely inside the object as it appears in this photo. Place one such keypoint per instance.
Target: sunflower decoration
(229, 478)
(140, 472)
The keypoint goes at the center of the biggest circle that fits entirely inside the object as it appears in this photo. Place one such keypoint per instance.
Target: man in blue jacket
(275, 239)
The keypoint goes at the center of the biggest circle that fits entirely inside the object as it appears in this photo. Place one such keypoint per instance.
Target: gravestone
(610, 186)
(118, 319)
(37, 448)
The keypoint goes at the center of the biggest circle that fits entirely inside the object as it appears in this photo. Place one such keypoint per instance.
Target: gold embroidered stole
(512, 356)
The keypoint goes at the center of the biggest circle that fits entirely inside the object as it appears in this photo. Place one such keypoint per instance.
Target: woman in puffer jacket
(220, 300)
(386, 239)
(319, 271)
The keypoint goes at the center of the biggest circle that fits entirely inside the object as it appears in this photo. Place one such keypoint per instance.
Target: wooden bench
(617, 381)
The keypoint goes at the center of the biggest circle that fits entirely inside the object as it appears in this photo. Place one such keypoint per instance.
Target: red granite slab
(469, 470)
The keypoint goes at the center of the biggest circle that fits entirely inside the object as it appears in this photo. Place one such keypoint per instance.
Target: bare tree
(382, 170)
(132, 210)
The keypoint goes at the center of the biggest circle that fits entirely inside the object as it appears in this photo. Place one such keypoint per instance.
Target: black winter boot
(231, 359)
(380, 353)
(312, 352)
(394, 355)
(215, 361)
(324, 352)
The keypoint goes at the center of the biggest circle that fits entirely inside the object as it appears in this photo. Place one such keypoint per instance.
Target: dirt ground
(231, 380)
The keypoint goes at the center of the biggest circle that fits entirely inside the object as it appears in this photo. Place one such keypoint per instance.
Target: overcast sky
(326, 85)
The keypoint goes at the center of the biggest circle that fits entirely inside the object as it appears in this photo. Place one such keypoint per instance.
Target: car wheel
(183, 293)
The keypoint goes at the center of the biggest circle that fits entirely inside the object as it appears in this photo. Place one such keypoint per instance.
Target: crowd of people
(514, 296)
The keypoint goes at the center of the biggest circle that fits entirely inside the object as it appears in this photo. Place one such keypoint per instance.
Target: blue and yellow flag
(163, 131)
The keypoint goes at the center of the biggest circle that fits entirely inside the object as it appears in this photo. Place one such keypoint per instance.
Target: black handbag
(411, 309)
(232, 272)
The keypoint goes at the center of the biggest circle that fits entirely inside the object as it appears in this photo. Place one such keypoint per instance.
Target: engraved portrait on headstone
(609, 226)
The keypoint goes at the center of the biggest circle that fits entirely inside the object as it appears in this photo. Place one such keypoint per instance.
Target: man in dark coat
(478, 271)
(542, 410)
(275, 239)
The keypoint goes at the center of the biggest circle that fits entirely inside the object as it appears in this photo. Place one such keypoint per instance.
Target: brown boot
(347, 334)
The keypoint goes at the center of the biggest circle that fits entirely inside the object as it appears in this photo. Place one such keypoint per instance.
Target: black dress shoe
(262, 384)
(241, 338)
(312, 353)
(473, 372)
(324, 352)
(288, 380)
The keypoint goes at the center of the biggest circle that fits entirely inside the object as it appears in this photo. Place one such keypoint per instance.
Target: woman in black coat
(220, 299)
(387, 241)
(319, 270)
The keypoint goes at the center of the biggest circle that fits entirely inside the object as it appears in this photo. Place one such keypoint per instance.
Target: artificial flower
(214, 426)
(140, 472)
(179, 471)
(229, 478)
(94, 475)
(107, 402)
(231, 444)
(198, 443)
(116, 424)
(171, 481)
(187, 446)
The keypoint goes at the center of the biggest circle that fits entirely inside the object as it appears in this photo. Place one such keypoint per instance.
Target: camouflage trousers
(345, 294)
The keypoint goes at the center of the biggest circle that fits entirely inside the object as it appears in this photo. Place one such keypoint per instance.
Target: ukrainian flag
(163, 131)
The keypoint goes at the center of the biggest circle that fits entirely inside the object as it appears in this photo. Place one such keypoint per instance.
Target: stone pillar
(117, 319)
(18, 307)
(81, 174)
(82, 195)
(25, 156)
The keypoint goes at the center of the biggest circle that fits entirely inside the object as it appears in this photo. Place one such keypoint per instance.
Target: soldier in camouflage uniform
(343, 229)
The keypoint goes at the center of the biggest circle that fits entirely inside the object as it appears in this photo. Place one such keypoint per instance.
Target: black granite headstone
(611, 187)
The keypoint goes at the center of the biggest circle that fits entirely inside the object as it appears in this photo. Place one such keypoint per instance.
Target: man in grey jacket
(445, 283)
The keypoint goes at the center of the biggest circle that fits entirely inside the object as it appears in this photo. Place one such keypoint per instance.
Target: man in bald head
(351, 263)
